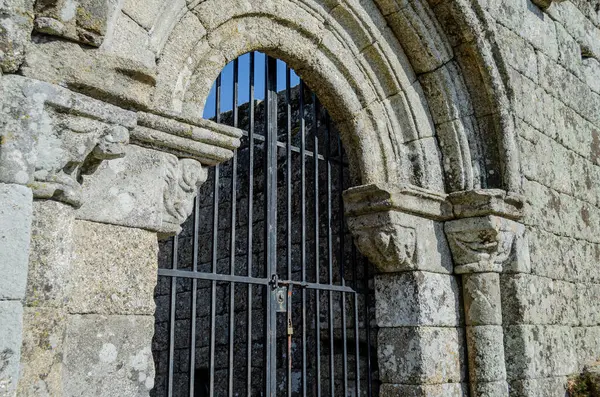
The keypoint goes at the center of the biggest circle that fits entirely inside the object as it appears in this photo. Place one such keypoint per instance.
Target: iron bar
(342, 264)
(172, 318)
(289, 219)
(213, 298)
(329, 260)
(194, 297)
(250, 220)
(303, 229)
(234, 163)
(316, 242)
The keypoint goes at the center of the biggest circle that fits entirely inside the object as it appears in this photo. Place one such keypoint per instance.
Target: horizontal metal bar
(252, 280)
(213, 276)
(296, 149)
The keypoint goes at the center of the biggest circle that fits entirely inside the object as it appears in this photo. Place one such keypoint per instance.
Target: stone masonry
(472, 130)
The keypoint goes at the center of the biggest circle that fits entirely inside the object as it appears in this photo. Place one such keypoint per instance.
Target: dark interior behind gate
(263, 292)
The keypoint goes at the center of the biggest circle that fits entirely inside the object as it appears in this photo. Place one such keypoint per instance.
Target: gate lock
(282, 294)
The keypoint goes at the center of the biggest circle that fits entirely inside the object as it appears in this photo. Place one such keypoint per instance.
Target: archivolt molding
(413, 85)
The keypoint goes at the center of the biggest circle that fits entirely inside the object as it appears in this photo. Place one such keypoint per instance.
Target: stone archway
(110, 139)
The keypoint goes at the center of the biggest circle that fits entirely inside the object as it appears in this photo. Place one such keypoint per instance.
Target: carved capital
(383, 238)
(52, 137)
(487, 244)
(183, 179)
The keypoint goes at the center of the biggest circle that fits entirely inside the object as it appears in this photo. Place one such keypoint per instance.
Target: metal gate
(263, 292)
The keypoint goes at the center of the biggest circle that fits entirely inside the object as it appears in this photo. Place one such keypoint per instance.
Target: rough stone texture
(148, 189)
(16, 23)
(42, 352)
(51, 136)
(481, 294)
(113, 270)
(15, 228)
(11, 328)
(395, 241)
(417, 299)
(50, 266)
(104, 358)
(420, 355)
(442, 390)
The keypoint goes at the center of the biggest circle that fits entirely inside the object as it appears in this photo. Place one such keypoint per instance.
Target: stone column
(106, 182)
(483, 246)
(418, 311)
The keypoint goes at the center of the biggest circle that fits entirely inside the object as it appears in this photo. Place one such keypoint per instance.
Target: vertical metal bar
(342, 232)
(250, 221)
(303, 229)
(213, 298)
(271, 211)
(234, 164)
(316, 230)
(194, 296)
(367, 328)
(172, 319)
(289, 218)
(356, 322)
(329, 257)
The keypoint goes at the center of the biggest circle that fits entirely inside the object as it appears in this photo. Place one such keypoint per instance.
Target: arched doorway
(264, 293)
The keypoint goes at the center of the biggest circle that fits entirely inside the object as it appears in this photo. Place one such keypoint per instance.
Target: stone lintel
(202, 140)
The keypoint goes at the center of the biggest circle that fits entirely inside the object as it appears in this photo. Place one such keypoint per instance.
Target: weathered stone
(15, 234)
(11, 328)
(82, 20)
(123, 276)
(481, 294)
(486, 354)
(105, 358)
(56, 136)
(16, 23)
(442, 390)
(148, 189)
(417, 299)
(42, 352)
(488, 244)
(50, 266)
(420, 355)
(396, 242)
(528, 299)
(537, 351)
(540, 387)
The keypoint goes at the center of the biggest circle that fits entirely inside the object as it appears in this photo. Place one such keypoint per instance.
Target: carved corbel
(153, 187)
(52, 137)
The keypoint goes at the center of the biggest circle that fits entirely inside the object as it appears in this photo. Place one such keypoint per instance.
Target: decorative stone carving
(389, 246)
(51, 137)
(83, 21)
(183, 178)
(154, 185)
(487, 244)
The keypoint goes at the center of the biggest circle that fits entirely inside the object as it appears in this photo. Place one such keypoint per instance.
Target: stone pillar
(418, 311)
(107, 182)
(483, 246)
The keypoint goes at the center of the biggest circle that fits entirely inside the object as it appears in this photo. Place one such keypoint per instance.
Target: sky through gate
(243, 79)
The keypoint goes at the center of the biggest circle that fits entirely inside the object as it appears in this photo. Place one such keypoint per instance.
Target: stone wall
(551, 314)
